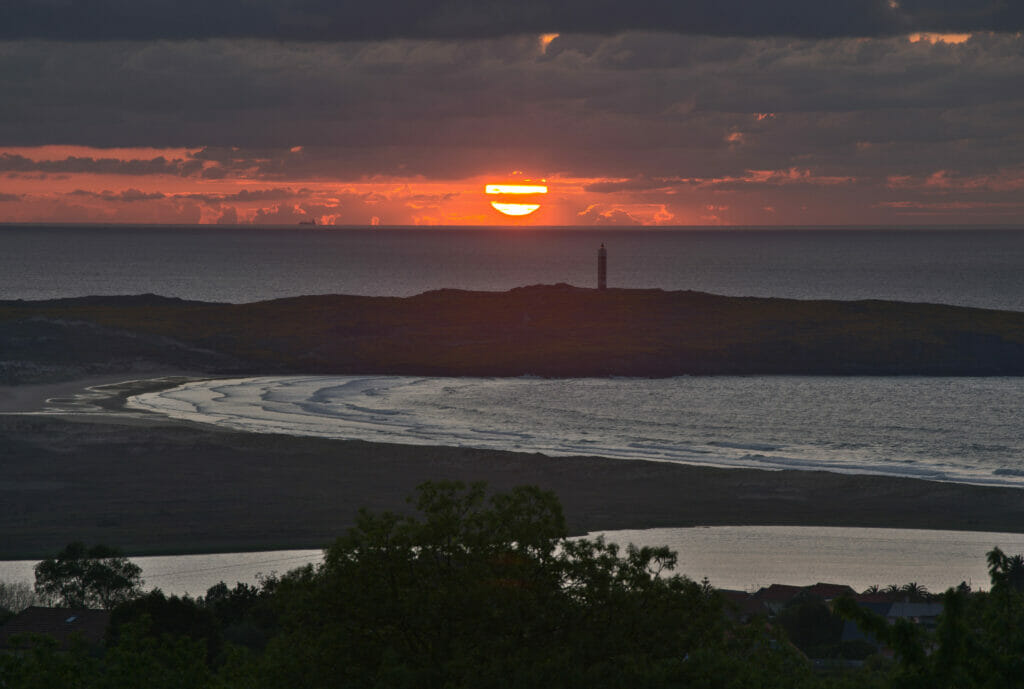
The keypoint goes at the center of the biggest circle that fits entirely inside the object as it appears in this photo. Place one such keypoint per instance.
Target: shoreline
(103, 392)
(323, 427)
(151, 485)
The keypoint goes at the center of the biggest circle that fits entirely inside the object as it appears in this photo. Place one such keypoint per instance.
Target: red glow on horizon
(933, 38)
(78, 184)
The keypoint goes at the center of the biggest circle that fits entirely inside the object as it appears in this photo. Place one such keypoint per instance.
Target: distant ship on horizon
(308, 222)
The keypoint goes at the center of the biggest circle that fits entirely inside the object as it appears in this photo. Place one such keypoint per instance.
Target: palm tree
(1015, 572)
(1005, 570)
(916, 592)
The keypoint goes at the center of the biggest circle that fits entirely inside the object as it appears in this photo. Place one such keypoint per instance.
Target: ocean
(969, 267)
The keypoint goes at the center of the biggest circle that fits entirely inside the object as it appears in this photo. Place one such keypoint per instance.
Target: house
(742, 606)
(777, 596)
(853, 632)
(62, 624)
(829, 592)
(924, 614)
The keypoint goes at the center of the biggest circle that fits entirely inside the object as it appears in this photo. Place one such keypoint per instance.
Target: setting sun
(522, 193)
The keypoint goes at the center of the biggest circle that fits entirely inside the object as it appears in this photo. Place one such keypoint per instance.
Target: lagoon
(732, 557)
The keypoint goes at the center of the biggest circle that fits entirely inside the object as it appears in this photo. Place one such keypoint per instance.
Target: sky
(400, 112)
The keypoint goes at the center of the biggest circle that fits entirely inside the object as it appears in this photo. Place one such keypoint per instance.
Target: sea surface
(733, 557)
(970, 267)
(964, 430)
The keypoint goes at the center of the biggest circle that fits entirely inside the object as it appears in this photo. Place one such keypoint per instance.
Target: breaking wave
(947, 429)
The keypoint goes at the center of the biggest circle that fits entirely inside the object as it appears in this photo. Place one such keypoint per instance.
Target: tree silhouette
(1006, 571)
(81, 577)
(916, 592)
(14, 597)
(479, 590)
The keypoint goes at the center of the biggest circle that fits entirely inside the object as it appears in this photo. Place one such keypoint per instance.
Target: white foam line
(231, 403)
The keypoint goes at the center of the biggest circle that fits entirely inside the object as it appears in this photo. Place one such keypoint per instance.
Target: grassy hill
(554, 330)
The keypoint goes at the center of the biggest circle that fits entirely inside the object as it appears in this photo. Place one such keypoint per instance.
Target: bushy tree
(14, 597)
(810, 624)
(979, 641)
(81, 577)
(244, 613)
(165, 617)
(486, 591)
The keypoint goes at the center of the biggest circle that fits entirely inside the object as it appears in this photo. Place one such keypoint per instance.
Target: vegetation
(81, 577)
(554, 330)
(14, 597)
(484, 590)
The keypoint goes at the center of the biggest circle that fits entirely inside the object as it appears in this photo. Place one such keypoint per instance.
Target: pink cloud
(947, 181)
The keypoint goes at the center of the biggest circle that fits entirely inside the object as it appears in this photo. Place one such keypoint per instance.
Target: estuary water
(949, 429)
(733, 557)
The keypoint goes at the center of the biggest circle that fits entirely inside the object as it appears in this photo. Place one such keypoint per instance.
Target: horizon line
(525, 228)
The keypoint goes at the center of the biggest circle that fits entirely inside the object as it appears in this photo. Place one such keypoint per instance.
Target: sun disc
(515, 199)
(515, 208)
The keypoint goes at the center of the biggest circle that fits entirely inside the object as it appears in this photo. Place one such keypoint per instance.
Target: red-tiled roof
(778, 592)
(745, 603)
(830, 591)
(60, 623)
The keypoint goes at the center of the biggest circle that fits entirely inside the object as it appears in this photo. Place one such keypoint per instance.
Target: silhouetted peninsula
(554, 330)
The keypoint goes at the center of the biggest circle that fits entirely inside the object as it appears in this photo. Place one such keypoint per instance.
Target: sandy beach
(92, 471)
(79, 395)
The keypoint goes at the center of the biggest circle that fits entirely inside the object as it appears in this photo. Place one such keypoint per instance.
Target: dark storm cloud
(10, 162)
(126, 196)
(639, 183)
(331, 20)
(248, 196)
(966, 15)
(644, 107)
(243, 196)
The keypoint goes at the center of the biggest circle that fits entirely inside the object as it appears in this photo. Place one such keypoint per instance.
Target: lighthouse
(602, 268)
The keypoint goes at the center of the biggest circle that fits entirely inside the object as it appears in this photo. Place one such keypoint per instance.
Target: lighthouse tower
(602, 268)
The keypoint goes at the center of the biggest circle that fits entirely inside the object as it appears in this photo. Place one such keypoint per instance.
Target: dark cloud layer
(331, 20)
(126, 196)
(10, 162)
(648, 107)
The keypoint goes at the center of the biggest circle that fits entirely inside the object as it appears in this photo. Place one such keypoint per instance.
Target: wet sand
(149, 485)
(107, 391)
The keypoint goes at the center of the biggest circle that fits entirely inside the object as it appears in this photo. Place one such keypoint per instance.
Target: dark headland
(557, 331)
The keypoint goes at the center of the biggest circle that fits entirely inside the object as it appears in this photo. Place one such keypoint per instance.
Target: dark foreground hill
(543, 330)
